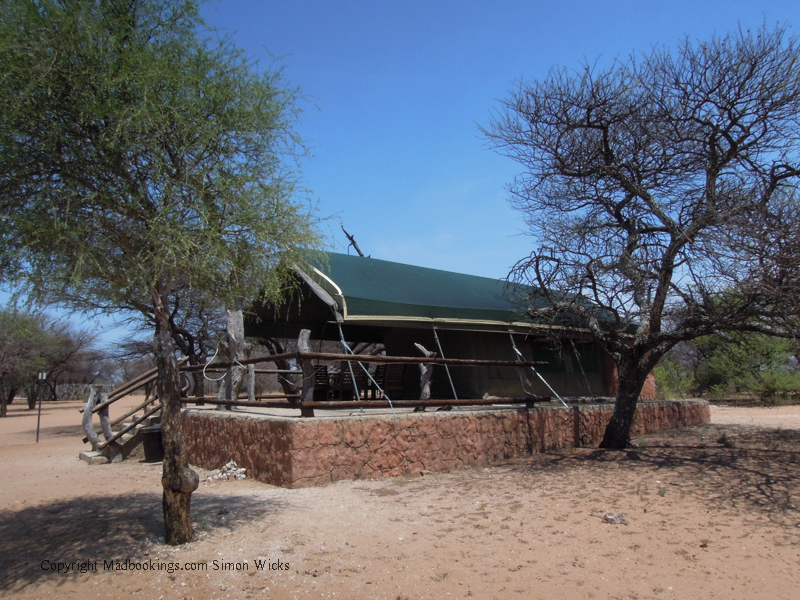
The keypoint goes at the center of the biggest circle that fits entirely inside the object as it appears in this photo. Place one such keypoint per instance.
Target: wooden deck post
(88, 427)
(307, 392)
(425, 376)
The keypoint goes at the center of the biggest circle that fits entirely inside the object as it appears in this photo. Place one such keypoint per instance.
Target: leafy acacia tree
(22, 343)
(71, 357)
(650, 187)
(138, 159)
(33, 342)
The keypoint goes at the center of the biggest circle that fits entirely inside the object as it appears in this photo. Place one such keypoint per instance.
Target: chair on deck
(321, 384)
(391, 377)
(343, 388)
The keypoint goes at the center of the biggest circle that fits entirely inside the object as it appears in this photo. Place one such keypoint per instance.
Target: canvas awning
(365, 291)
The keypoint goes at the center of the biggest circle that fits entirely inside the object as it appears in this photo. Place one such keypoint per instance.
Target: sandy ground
(711, 512)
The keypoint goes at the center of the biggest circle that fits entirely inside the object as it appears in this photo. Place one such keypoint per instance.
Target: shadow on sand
(730, 466)
(102, 528)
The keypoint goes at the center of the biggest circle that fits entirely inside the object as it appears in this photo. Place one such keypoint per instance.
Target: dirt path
(712, 512)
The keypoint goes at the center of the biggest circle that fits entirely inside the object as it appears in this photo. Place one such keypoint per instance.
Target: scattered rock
(229, 472)
(93, 457)
(725, 441)
(614, 519)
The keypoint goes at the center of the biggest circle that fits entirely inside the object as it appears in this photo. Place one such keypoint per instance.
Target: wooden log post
(251, 383)
(237, 349)
(425, 376)
(91, 434)
(113, 450)
(225, 391)
(307, 392)
(105, 422)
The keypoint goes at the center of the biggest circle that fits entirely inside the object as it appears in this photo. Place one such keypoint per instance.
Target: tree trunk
(5, 401)
(178, 480)
(285, 380)
(618, 431)
(198, 379)
(32, 395)
(307, 393)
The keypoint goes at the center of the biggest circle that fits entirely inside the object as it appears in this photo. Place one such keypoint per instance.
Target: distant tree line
(758, 367)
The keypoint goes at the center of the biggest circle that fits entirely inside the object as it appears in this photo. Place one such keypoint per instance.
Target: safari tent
(457, 316)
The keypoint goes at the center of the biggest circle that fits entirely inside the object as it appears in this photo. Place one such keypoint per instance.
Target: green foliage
(755, 364)
(23, 341)
(138, 159)
(672, 381)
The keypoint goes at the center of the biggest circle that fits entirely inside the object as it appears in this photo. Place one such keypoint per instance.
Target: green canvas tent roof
(361, 289)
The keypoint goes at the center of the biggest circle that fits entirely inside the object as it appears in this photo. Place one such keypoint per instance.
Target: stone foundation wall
(302, 453)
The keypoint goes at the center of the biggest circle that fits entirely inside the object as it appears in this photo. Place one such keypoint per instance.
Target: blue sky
(395, 93)
(397, 90)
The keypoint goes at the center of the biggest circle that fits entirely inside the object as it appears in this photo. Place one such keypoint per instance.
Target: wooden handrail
(131, 385)
(371, 358)
(244, 361)
(133, 411)
(215, 400)
(127, 388)
(125, 430)
(334, 405)
(214, 369)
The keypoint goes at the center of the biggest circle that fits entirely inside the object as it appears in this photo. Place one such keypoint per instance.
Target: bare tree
(196, 325)
(651, 188)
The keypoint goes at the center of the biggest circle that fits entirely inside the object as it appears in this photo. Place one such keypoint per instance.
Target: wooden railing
(304, 400)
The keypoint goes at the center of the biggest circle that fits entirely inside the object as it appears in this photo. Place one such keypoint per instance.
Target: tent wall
(563, 372)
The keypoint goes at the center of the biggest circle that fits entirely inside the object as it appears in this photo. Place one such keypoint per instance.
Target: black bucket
(151, 440)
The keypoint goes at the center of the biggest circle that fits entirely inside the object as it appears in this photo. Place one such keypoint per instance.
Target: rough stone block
(330, 433)
(304, 434)
(343, 472)
(304, 464)
(325, 457)
(93, 457)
